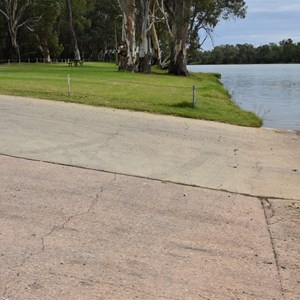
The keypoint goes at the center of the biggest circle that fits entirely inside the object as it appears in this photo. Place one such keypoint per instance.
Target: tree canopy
(142, 31)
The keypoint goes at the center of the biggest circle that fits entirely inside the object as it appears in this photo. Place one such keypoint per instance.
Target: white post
(69, 85)
(194, 96)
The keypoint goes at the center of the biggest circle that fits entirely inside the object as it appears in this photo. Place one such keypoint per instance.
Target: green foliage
(206, 14)
(44, 31)
(105, 19)
(102, 85)
(285, 52)
(47, 28)
(3, 38)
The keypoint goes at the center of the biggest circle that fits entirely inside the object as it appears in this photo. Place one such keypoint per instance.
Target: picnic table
(75, 63)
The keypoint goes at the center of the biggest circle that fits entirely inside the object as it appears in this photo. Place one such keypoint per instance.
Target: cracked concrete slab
(70, 233)
(284, 223)
(252, 161)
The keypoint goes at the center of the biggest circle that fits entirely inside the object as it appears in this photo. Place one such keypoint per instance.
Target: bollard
(69, 85)
(194, 96)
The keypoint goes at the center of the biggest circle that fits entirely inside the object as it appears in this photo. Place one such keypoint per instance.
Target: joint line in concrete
(267, 206)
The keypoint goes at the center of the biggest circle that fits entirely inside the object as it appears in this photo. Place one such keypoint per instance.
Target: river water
(271, 91)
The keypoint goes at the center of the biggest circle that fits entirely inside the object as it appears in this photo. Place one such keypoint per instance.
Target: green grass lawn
(102, 85)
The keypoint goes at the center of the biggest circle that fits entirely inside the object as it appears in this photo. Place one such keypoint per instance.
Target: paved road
(244, 160)
(72, 233)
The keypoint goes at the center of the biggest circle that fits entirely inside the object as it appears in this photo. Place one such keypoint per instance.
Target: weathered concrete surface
(284, 223)
(245, 160)
(69, 233)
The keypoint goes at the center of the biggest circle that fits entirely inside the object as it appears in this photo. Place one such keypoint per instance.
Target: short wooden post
(194, 96)
(69, 85)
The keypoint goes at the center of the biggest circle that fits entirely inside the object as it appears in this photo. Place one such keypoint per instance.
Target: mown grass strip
(101, 84)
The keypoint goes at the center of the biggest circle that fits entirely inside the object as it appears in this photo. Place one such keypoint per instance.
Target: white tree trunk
(13, 12)
(179, 20)
(72, 30)
(145, 49)
(128, 32)
(155, 45)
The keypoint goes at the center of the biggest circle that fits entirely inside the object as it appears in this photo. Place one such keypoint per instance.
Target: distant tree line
(285, 51)
(143, 32)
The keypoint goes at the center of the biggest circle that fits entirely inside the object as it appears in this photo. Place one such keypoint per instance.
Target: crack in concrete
(91, 206)
(268, 209)
(63, 225)
(269, 213)
(55, 228)
(151, 178)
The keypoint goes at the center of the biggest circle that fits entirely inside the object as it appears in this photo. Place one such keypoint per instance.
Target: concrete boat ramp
(98, 203)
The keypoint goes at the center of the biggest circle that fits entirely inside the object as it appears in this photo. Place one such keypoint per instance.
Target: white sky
(266, 21)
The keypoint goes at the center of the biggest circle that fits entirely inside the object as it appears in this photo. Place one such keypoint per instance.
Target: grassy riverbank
(102, 85)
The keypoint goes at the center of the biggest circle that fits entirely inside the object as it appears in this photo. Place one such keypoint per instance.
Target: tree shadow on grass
(183, 104)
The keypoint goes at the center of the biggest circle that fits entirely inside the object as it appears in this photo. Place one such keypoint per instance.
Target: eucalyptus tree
(3, 37)
(13, 11)
(45, 29)
(74, 42)
(128, 32)
(144, 25)
(288, 51)
(178, 19)
(183, 20)
(139, 34)
(186, 17)
(246, 54)
(102, 29)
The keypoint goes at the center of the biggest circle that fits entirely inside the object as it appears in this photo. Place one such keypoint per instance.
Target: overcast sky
(266, 21)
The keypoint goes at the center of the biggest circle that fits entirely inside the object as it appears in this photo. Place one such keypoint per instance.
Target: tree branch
(3, 13)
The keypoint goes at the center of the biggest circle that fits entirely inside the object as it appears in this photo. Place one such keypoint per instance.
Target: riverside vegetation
(101, 84)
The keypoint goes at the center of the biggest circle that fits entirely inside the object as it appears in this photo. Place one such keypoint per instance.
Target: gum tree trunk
(180, 13)
(128, 33)
(46, 53)
(73, 33)
(156, 46)
(145, 50)
(15, 50)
